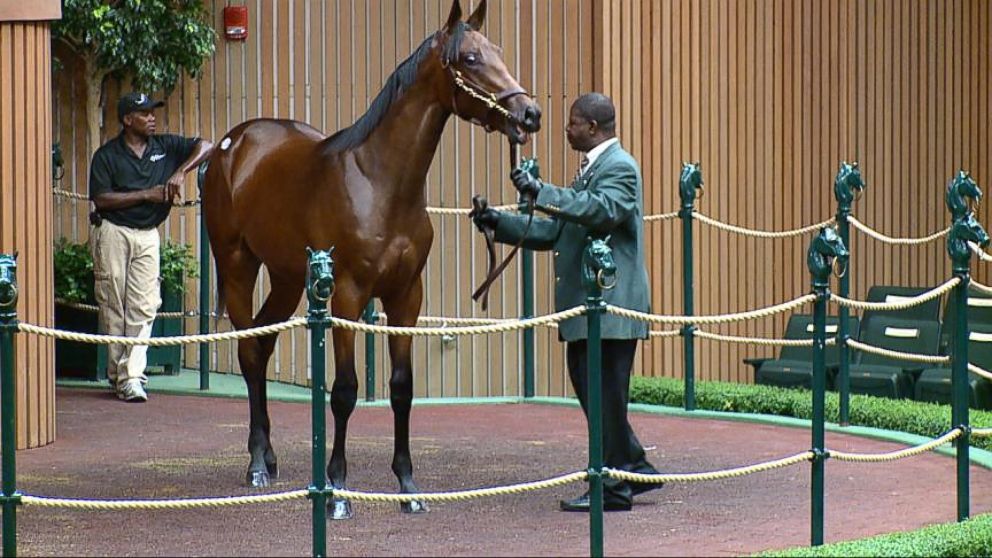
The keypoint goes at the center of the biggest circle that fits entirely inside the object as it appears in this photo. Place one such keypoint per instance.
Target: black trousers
(621, 449)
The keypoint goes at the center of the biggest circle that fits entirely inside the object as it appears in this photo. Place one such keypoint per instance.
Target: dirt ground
(176, 446)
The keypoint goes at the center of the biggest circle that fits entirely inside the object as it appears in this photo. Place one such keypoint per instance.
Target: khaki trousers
(126, 269)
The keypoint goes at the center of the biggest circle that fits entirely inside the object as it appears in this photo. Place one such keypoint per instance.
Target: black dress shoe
(642, 487)
(581, 504)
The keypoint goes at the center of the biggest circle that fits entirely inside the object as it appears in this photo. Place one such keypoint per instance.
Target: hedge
(915, 417)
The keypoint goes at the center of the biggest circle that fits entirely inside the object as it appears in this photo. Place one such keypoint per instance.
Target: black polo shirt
(115, 168)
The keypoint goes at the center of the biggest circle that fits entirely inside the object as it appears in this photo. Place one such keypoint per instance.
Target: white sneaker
(132, 390)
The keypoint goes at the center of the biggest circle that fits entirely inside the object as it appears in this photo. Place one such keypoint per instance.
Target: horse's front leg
(344, 395)
(403, 311)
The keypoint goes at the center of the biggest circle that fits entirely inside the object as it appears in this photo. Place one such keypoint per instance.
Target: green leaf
(151, 41)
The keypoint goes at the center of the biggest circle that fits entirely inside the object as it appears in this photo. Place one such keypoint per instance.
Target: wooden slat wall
(323, 62)
(770, 95)
(26, 215)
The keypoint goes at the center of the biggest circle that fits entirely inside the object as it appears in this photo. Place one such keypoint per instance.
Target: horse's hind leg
(403, 311)
(279, 305)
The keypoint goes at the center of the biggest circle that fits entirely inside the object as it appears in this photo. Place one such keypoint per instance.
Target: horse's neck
(401, 148)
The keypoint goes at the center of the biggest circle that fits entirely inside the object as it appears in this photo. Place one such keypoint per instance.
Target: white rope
(460, 495)
(161, 341)
(722, 318)
(894, 455)
(709, 476)
(179, 503)
(761, 234)
(501, 327)
(901, 305)
(465, 211)
(982, 255)
(92, 308)
(70, 195)
(892, 240)
(980, 287)
(980, 371)
(661, 217)
(666, 333)
(767, 341)
(915, 357)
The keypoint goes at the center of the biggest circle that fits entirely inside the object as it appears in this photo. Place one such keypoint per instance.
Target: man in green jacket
(605, 200)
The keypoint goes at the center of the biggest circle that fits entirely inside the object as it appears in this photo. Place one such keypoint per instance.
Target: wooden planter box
(89, 362)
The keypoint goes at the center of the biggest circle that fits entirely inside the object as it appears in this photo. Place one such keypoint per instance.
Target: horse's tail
(216, 187)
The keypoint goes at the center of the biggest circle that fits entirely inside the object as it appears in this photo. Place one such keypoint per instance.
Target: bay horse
(275, 187)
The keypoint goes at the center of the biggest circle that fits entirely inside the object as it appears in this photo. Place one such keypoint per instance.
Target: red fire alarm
(236, 23)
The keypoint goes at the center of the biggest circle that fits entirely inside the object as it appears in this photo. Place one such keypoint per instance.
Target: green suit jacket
(607, 200)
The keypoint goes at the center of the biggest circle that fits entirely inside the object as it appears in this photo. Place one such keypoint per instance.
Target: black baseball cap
(133, 102)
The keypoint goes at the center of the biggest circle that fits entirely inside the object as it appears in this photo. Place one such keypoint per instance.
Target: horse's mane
(401, 79)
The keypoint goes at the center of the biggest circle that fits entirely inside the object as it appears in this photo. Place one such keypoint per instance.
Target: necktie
(582, 168)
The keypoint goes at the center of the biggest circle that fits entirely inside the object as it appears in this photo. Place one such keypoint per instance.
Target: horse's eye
(471, 59)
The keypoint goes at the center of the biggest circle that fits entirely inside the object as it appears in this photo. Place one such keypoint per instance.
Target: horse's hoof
(414, 506)
(273, 469)
(340, 509)
(257, 479)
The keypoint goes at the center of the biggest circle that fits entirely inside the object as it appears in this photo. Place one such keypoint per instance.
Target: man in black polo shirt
(134, 180)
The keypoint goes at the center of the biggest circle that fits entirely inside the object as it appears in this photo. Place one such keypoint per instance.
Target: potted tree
(75, 300)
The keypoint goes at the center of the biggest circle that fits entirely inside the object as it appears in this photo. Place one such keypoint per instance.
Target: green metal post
(8, 401)
(527, 276)
(320, 286)
(597, 263)
(204, 287)
(527, 270)
(690, 185)
(848, 186)
(370, 316)
(959, 383)
(826, 246)
(964, 228)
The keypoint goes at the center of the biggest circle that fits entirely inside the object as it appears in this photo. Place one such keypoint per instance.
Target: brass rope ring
(602, 283)
(841, 273)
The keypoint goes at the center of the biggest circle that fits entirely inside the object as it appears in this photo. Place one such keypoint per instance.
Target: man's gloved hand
(485, 219)
(525, 183)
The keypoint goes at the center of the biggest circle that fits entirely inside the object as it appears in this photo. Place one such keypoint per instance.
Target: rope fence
(761, 234)
(513, 489)
(450, 327)
(909, 302)
(892, 240)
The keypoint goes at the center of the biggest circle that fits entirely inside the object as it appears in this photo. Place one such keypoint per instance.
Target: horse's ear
(607, 239)
(478, 16)
(455, 16)
(309, 251)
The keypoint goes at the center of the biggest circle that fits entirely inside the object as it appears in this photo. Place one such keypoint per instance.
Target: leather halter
(490, 99)
(479, 204)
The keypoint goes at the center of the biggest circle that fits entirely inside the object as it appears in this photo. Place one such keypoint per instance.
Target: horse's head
(848, 185)
(691, 182)
(965, 229)
(479, 87)
(320, 276)
(8, 282)
(599, 269)
(961, 191)
(825, 248)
